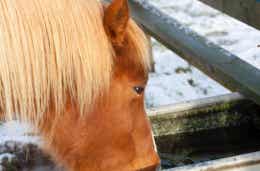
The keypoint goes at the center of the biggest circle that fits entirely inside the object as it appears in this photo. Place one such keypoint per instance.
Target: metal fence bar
(221, 65)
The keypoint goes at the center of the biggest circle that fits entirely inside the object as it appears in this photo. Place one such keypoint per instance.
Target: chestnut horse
(77, 69)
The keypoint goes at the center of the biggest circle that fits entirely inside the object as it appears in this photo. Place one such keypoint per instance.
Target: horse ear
(116, 18)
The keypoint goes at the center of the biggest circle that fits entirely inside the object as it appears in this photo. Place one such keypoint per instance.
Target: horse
(77, 70)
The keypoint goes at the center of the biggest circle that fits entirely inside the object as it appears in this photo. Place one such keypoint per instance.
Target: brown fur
(113, 133)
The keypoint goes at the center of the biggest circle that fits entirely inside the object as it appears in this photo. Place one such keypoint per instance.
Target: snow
(166, 86)
(13, 135)
(7, 156)
(174, 79)
(16, 131)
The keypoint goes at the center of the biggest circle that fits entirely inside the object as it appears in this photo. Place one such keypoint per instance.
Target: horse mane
(52, 50)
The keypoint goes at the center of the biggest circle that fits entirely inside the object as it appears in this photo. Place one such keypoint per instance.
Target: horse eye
(139, 90)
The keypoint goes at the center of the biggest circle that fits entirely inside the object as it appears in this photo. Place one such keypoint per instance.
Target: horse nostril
(155, 164)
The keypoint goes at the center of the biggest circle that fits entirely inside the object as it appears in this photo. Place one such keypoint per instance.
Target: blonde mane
(52, 48)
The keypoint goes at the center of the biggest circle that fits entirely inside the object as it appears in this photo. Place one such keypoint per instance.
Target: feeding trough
(197, 135)
(247, 162)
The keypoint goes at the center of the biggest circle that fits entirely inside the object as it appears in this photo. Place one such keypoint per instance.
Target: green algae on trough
(209, 113)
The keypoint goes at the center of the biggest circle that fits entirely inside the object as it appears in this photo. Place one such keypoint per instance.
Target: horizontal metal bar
(245, 162)
(221, 65)
(197, 104)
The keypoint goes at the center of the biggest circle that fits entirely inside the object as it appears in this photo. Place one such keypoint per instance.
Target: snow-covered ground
(15, 131)
(174, 79)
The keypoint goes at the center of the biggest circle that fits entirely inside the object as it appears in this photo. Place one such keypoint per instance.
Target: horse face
(125, 104)
(116, 134)
(131, 146)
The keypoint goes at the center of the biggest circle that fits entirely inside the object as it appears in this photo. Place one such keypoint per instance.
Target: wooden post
(152, 63)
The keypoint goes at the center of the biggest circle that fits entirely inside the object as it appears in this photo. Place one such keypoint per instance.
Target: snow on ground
(174, 79)
(7, 156)
(16, 131)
